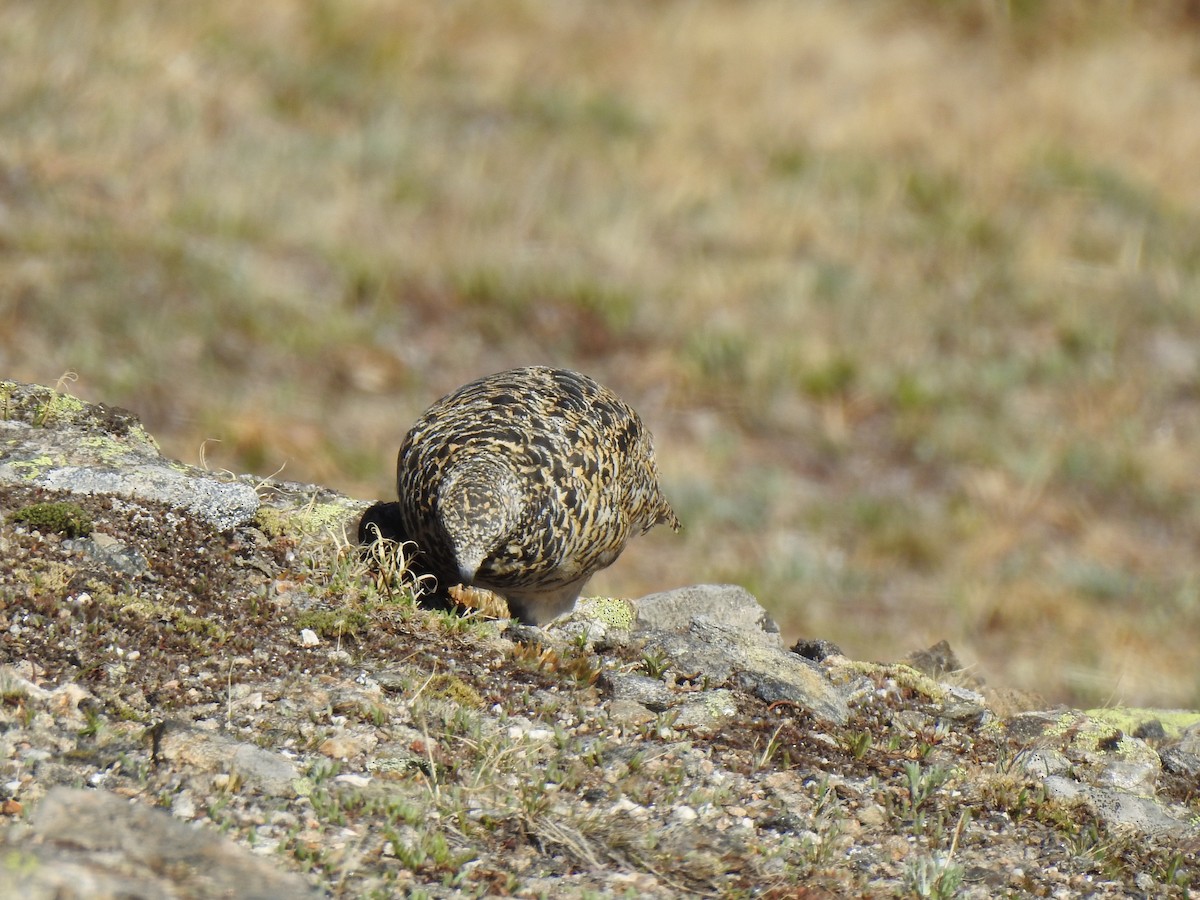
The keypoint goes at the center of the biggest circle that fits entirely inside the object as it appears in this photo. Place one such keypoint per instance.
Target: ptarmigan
(526, 483)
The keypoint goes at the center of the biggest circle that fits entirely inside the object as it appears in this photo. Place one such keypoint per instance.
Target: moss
(454, 689)
(181, 622)
(63, 518)
(334, 623)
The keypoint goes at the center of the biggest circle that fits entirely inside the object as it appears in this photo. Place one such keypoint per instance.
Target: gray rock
(1117, 808)
(110, 552)
(1079, 756)
(272, 773)
(649, 692)
(223, 504)
(58, 442)
(1183, 758)
(1180, 762)
(674, 610)
(1099, 753)
(723, 634)
(93, 844)
(707, 711)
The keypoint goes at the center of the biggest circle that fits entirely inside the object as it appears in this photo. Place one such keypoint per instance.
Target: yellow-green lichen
(1129, 719)
(904, 675)
(315, 518)
(719, 704)
(30, 469)
(138, 434)
(613, 612)
(1066, 720)
(19, 863)
(108, 449)
(1100, 733)
(56, 408)
(39, 406)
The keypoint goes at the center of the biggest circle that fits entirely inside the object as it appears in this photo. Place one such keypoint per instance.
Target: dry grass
(907, 290)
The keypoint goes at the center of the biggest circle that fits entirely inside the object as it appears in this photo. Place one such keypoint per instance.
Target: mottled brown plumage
(526, 483)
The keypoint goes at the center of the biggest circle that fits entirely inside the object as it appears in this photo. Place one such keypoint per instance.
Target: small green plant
(655, 663)
(770, 750)
(662, 726)
(328, 808)
(857, 743)
(1009, 793)
(427, 852)
(93, 721)
(921, 783)
(1174, 873)
(12, 692)
(936, 877)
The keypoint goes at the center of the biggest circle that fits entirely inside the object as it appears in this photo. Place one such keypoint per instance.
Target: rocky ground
(206, 690)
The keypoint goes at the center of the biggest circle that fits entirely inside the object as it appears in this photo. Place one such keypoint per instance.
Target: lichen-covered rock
(720, 632)
(58, 442)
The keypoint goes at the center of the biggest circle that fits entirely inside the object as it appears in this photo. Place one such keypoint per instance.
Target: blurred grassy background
(907, 291)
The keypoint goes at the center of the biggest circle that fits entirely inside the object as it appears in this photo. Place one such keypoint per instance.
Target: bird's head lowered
(480, 503)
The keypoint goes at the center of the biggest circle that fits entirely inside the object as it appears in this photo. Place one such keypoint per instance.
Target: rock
(222, 504)
(707, 712)
(1078, 756)
(649, 692)
(344, 744)
(272, 773)
(1183, 758)
(722, 633)
(110, 552)
(58, 442)
(1119, 809)
(936, 661)
(95, 844)
(630, 713)
(1098, 752)
(675, 610)
(816, 649)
